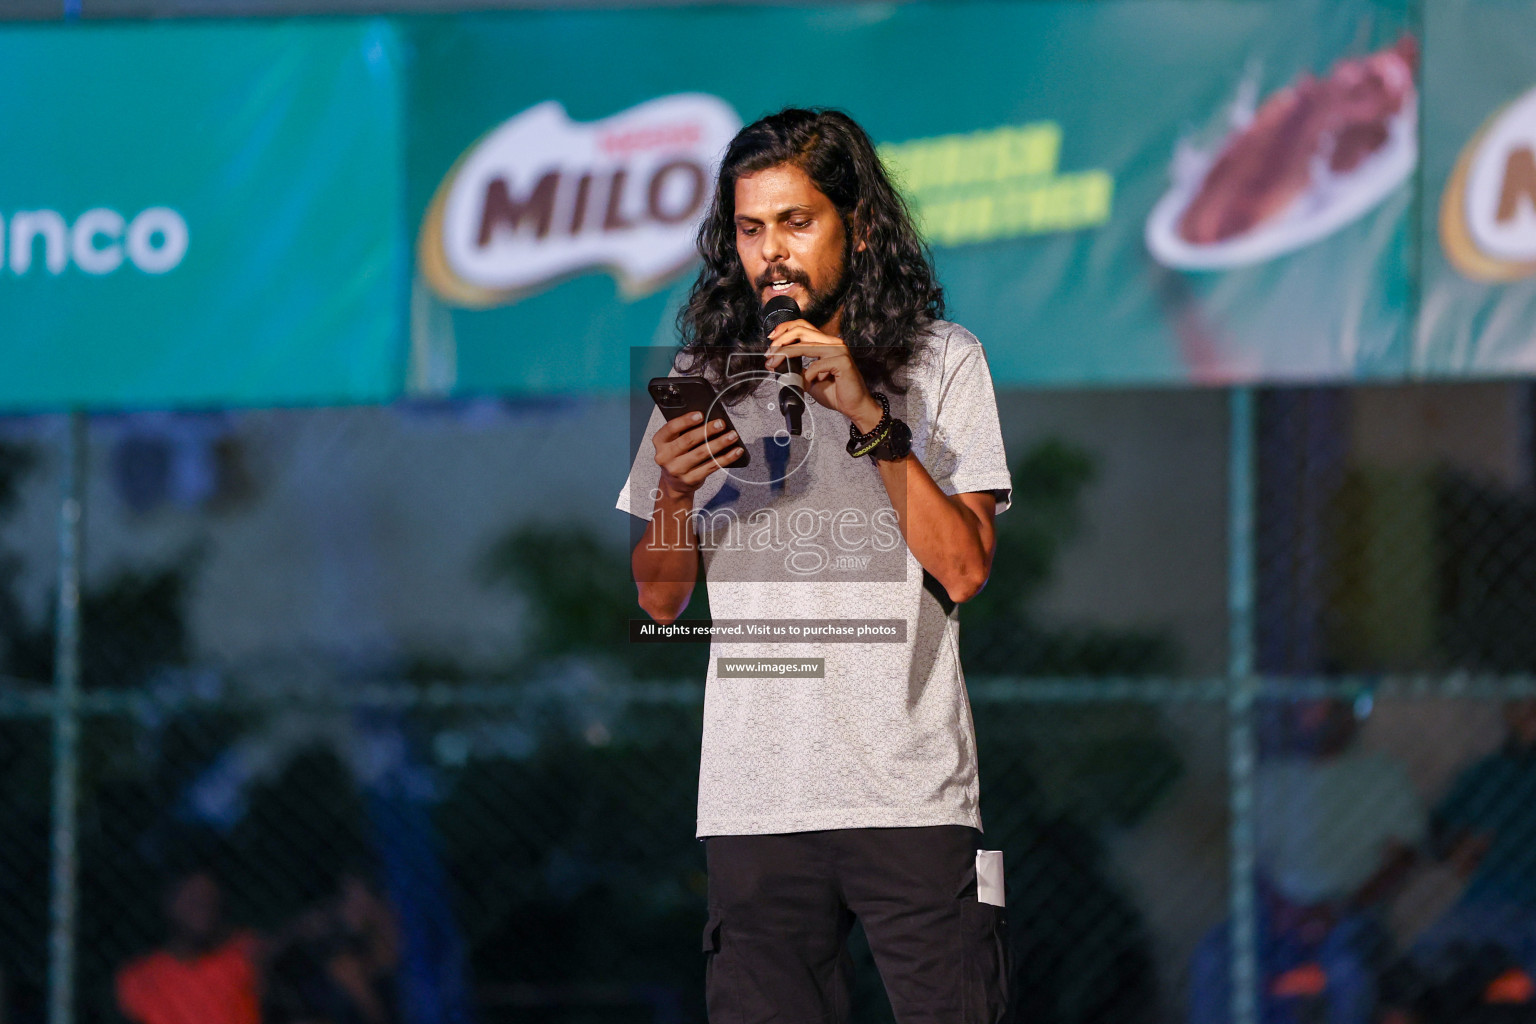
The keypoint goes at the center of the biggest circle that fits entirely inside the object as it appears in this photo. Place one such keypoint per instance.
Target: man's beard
(821, 305)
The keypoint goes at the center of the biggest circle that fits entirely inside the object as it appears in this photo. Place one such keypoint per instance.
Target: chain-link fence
(359, 713)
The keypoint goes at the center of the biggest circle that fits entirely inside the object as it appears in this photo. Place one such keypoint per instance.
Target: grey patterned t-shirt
(805, 532)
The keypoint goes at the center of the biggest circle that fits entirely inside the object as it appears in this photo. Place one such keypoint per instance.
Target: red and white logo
(542, 197)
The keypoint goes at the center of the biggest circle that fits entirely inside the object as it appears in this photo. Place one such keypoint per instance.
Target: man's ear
(859, 229)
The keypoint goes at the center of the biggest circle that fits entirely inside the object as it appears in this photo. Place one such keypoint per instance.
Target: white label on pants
(989, 876)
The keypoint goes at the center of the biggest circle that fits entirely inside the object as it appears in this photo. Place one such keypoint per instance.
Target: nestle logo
(620, 143)
(542, 197)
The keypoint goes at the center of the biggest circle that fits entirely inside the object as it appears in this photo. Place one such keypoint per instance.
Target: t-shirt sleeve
(965, 451)
(637, 495)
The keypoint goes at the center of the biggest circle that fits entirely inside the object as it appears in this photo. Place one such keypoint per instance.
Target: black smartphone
(678, 396)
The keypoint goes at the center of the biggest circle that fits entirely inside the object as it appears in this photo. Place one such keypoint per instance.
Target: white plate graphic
(1333, 201)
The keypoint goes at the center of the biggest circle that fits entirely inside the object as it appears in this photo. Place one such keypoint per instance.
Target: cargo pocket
(986, 961)
(717, 997)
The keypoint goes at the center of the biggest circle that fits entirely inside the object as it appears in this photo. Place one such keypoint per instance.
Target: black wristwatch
(896, 444)
(890, 440)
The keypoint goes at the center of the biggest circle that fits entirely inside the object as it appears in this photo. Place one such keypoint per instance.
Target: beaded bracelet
(857, 440)
(861, 451)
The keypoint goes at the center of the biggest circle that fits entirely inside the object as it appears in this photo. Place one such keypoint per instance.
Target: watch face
(898, 444)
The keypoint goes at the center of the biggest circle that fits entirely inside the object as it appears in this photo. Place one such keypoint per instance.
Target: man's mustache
(791, 274)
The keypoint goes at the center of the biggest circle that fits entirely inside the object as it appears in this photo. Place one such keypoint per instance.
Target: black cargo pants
(781, 907)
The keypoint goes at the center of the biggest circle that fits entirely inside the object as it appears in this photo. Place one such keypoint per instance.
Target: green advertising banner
(1477, 311)
(1130, 191)
(200, 215)
(1126, 192)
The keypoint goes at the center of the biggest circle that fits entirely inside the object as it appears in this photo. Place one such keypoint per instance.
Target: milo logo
(542, 197)
(1488, 209)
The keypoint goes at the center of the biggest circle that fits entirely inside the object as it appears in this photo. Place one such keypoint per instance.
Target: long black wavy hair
(891, 290)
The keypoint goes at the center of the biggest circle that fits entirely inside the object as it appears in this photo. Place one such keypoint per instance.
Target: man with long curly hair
(838, 780)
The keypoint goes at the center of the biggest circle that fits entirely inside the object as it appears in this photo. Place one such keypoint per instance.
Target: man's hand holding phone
(697, 439)
(688, 450)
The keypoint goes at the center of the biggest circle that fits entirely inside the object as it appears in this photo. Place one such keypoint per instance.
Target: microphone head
(779, 309)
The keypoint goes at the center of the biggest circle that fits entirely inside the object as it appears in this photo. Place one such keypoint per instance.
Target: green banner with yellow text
(1129, 191)
(1125, 192)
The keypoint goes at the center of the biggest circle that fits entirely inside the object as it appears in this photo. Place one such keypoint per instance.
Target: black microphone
(782, 309)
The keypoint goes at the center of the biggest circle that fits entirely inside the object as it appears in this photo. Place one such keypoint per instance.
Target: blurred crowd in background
(331, 737)
(335, 962)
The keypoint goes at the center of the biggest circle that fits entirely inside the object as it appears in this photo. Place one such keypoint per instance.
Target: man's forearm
(666, 561)
(944, 535)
